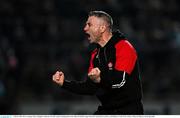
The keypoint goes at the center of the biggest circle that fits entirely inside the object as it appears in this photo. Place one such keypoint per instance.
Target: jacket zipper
(105, 55)
(98, 55)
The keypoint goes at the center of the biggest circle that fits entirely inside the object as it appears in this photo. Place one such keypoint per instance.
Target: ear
(103, 28)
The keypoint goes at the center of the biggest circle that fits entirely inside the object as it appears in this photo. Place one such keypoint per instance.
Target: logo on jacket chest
(110, 66)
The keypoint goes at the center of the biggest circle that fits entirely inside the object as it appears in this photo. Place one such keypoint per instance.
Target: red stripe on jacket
(91, 60)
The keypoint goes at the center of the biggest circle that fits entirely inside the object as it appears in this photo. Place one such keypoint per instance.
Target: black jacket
(120, 86)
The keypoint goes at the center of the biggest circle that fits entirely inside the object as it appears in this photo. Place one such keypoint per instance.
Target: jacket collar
(117, 36)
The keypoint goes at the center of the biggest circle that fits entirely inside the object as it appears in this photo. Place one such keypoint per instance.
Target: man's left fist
(94, 75)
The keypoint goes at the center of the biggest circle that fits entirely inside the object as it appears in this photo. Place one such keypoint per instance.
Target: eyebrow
(88, 23)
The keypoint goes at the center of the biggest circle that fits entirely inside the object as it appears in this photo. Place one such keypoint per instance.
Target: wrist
(97, 80)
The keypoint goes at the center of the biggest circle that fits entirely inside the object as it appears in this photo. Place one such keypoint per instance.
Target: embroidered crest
(110, 65)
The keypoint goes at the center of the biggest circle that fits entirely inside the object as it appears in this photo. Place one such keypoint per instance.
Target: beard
(95, 38)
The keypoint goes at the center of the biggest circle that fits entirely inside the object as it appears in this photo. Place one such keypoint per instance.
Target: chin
(91, 42)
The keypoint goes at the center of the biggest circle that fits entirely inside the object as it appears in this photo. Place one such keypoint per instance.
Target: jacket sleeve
(113, 79)
(83, 87)
(125, 60)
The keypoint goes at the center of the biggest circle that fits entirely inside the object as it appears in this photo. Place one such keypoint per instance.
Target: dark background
(38, 37)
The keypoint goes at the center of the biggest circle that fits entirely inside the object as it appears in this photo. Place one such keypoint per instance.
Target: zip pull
(97, 56)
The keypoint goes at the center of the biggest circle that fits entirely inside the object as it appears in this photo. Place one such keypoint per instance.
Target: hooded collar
(117, 36)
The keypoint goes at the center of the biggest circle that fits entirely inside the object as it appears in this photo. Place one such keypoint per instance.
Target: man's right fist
(58, 77)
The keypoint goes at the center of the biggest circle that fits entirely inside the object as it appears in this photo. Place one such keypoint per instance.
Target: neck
(105, 38)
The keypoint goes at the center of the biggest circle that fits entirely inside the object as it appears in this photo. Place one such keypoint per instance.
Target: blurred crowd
(38, 37)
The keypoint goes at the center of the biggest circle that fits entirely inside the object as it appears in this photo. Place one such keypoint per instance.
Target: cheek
(95, 31)
(94, 34)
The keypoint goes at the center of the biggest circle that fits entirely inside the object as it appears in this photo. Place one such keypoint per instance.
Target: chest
(105, 58)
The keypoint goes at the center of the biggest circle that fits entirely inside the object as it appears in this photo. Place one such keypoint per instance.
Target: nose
(85, 28)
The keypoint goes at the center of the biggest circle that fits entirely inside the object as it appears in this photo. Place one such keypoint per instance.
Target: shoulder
(124, 44)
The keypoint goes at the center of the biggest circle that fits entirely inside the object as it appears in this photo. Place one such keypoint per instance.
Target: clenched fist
(94, 75)
(58, 77)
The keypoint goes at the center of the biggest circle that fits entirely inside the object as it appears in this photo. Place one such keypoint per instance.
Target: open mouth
(87, 35)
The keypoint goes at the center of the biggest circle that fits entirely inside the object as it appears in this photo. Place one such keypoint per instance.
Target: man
(113, 71)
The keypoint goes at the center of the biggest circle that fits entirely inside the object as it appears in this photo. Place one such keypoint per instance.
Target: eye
(89, 24)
